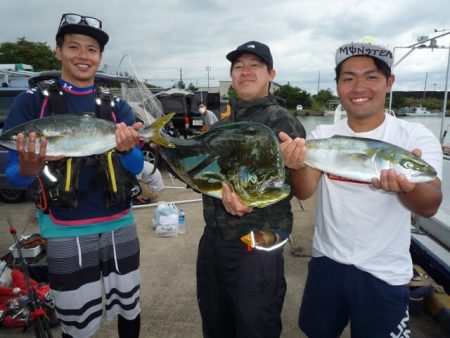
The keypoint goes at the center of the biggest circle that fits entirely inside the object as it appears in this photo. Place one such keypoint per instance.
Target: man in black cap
(240, 289)
(92, 239)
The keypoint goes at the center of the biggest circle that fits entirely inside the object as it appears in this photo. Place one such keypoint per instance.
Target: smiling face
(362, 89)
(80, 58)
(251, 77)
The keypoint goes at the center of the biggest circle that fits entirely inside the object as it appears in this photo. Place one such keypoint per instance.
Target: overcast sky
(160, 37)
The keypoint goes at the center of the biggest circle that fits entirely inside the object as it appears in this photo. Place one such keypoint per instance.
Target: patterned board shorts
(83, 270)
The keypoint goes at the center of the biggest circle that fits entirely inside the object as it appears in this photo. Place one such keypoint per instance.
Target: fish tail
(155, 131)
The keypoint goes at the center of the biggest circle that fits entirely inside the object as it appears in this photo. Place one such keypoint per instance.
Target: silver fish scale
(363, 159)
(68, 135)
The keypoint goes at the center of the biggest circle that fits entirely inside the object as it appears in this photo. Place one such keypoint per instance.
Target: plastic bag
(165, 220)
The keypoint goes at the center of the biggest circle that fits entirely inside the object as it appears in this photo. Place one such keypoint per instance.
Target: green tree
(398, 101)
(180, 84)
(293, 96)
(320, 100)
(37, 54)
(192, 88)
(231, 93)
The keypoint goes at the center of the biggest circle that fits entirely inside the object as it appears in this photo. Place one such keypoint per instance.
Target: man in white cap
(361, 263)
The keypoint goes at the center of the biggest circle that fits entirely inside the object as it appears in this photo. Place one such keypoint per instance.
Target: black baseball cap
(72, 23)
(252, 47)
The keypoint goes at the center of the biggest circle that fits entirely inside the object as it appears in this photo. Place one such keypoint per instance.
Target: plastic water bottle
(181, 222)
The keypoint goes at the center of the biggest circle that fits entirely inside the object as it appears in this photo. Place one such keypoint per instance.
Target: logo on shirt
(65, 85)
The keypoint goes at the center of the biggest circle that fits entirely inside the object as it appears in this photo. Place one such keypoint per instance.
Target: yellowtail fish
(77, 135)
(362, 159)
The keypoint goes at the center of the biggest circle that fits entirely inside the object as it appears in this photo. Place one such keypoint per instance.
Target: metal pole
(444, 105)
(318, 83)
(392, 87)
(425, 88)
(208, 68)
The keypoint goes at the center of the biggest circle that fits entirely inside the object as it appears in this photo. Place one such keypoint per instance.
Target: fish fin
(156, 127)
(213, 176)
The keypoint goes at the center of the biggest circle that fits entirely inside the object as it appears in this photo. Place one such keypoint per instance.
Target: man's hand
(390, 181)
(127, 137)
(30, 162)
(232, 203)
(293, 151)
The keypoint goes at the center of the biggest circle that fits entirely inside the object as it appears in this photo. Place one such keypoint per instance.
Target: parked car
(8, 193)
(299, 107)
(187, 120)
(7, 96)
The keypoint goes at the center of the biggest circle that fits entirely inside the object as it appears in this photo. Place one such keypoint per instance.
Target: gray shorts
(83, 270)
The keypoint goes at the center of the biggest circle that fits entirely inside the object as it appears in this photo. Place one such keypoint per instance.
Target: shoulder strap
(53, 91)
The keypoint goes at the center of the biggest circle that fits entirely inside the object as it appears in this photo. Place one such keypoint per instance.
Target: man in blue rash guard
(91, 231)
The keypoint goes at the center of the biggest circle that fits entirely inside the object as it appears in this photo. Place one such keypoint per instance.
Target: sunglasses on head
(70, 18)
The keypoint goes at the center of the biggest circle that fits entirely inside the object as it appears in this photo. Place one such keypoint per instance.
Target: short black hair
(380, 65)
(269, 67)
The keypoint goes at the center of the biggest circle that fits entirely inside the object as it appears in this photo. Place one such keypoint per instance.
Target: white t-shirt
(154, 181)
(209, 118)
(366, 227)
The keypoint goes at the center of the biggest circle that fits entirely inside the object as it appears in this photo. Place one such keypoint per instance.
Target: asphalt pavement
(168, 288)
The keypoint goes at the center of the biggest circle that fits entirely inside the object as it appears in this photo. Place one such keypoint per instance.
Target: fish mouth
(423, 177)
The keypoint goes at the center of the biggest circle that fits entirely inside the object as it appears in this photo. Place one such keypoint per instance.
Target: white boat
(430, 249)
(431, 236)
(420, 111)
(338, 113)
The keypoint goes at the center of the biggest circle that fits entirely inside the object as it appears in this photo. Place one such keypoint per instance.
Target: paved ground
(168, 291)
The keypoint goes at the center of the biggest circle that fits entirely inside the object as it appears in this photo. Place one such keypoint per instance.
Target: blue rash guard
(91, 216)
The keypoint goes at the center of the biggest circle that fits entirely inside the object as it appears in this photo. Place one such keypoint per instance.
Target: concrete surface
(168, 289)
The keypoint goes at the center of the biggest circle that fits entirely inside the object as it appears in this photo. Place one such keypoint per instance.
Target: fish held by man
(244, 154)
(77, 135)
(362, 159)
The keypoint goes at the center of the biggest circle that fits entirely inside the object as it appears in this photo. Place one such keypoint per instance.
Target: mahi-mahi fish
(76, 135)
(362, 159)
(244, 154)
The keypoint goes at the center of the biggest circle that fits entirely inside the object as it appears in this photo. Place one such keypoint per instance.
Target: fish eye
(408, 165)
